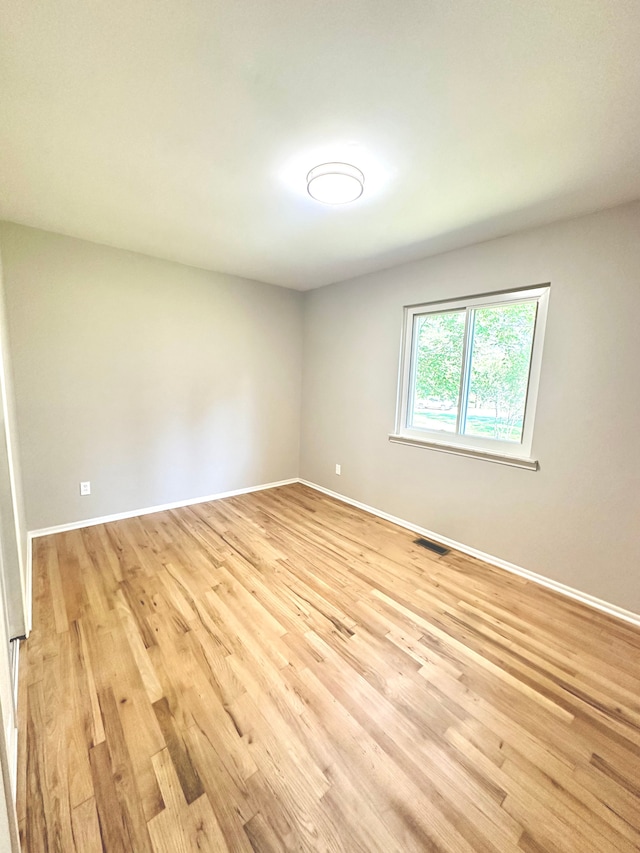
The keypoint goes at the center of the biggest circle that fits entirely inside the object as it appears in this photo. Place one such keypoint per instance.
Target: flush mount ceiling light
(335, 183)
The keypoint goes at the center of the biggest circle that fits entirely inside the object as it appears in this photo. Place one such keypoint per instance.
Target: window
(469, 375)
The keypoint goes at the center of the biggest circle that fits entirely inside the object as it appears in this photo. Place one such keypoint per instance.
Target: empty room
(319, 404)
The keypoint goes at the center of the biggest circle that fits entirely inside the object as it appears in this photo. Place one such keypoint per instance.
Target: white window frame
(505, 452)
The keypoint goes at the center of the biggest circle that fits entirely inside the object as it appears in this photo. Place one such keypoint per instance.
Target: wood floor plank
(86, 827)
(113, 831)
(230, 797)
(279, 671)
(187, 774)
(182, 827)
(136, 787)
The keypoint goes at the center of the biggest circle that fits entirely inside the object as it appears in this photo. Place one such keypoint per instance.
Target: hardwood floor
(282, 672)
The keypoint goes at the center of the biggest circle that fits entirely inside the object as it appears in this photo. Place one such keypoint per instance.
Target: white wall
(155, 381)
(577, 519)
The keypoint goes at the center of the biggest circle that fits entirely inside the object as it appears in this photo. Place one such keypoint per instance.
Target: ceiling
(185, 129)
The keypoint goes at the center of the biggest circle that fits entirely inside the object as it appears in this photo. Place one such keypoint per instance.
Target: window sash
(409, 363)
(415, 342)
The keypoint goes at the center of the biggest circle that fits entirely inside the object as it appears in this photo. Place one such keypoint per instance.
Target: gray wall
(160, 383)
(576, 520)
(155, 381)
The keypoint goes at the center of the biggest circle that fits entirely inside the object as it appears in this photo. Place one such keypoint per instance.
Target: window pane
(500, 358)
(438, 345)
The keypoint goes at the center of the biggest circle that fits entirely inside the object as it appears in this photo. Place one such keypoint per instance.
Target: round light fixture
(335, 183)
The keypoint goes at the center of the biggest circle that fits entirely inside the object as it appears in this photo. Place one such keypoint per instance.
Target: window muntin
(470, 371)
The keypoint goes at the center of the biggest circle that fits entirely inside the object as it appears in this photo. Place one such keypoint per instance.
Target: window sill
(474, 452)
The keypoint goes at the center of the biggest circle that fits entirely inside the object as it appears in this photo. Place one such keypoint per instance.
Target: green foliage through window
(485, 397)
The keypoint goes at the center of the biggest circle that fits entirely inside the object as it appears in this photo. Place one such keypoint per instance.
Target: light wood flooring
(282, 672)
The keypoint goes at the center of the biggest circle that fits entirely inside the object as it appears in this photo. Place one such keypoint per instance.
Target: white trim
(12, 750)
(13, 743)
(522, 449)
(12, 732)
(119, 516)
(570, 592)
(105, 519)
(29, 585)
(11, 454)
(15, 674)
(556, 586)
(473, 452)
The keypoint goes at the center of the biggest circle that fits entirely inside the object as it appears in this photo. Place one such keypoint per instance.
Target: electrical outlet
(338, 469)
(85, 488)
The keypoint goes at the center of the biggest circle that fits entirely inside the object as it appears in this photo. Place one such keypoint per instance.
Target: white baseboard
(90, 522)
(134, 513)
(583, 597)
(563, 589)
